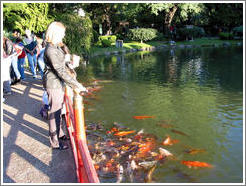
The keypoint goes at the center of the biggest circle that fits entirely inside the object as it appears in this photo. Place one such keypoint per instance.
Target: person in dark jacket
(54, 79)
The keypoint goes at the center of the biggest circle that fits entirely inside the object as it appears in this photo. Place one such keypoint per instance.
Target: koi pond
(188, 101)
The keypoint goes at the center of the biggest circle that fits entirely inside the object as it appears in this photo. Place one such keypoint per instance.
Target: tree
(22, 16)
(170, 9)
(102, 14)
(226, 15)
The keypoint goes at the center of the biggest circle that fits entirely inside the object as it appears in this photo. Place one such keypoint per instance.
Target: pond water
(198, 91)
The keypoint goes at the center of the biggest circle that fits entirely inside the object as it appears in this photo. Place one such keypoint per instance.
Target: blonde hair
(54, 33)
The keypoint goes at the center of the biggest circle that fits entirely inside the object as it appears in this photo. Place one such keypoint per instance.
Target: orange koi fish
(142, 117)
(124, 133)
(169, 141)
(145, 147)
(196, 164)
(114, 129)
(96, 166)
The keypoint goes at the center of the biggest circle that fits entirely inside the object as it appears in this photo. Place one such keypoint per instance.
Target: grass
(97, 50)
(206, 41)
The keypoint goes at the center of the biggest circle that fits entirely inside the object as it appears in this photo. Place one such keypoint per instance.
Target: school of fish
(124, 155)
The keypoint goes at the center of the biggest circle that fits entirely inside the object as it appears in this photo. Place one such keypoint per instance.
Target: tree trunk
(107, 19)
(108, 25)
(169, 17)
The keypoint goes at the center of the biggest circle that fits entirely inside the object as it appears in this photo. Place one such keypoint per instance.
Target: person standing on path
(31, 52)
(40, 58)
(21, 58)
(8, 51)
(54, 80)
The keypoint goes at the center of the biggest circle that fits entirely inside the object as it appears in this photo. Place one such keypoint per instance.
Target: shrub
(121, 36)
(225, 35)
(160, 37)
(111, 38)
(106, 43)
(78, 40)
(142, 34)
(190, 32)
(238, 31)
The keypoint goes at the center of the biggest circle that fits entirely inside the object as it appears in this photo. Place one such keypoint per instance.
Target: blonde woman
(55, 75)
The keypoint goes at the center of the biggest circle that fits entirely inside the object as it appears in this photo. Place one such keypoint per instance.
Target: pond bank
(155, 45)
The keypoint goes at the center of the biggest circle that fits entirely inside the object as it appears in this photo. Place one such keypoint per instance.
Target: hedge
(193, 32)
(142, 34)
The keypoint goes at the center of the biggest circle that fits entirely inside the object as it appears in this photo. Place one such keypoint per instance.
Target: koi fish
(165, 124)
(183, 175)
(145, 147)
(147, 164)
(179, 132)
(114, 129)
(194, 151)
(148, 178)
(130, 169)
(96, 167)
(87, 94)
(169, 141)
(124, 133)
(142, 117)
(196, 164)
(120, 172)
(165, 152)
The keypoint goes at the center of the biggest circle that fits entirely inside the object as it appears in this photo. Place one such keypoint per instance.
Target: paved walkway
(27, 156)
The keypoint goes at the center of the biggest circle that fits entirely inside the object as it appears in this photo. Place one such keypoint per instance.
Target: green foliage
(105, 43)
(160, 37)
(79, 32)
(185, 11)
(225, 36)
(190, 32)
(7, 34)
(190, 10)
(95, 36)
(111, 38)
(142, 34)
(238, 31)
(224, 15)
(22, 16)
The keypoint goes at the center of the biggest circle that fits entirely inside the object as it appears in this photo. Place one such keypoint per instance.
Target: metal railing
(86, 173)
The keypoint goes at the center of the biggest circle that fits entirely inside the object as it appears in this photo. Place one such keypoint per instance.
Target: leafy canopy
(22, 16)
